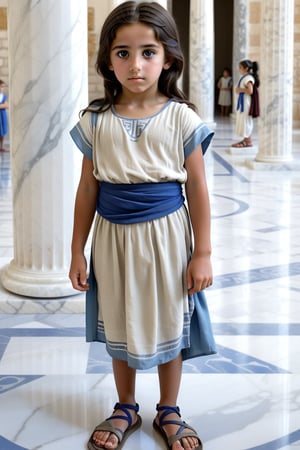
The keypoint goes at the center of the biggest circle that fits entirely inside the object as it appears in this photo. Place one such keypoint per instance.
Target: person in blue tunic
(143, 147)
(3, 116)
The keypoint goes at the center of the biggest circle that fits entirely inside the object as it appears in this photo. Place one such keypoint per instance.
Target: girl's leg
(169, 382)
(125, 383)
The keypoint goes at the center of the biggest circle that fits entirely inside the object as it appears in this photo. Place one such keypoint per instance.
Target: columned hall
(54, 387)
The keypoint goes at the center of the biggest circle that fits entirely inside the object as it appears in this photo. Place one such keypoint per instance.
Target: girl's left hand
(199, 274)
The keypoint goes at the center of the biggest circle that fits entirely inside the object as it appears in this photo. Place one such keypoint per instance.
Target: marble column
(276, 74)
(240, 36)
(48, 87)
(240, 40)
(201, 64)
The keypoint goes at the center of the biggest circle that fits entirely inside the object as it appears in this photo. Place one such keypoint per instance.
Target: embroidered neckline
(135, 126)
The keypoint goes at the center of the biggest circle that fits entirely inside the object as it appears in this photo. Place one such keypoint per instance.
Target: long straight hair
(160, 20)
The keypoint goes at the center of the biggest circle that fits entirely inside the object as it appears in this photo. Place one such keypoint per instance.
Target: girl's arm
(85, 207)
(247, 90)
(199, 271)
(4, 105)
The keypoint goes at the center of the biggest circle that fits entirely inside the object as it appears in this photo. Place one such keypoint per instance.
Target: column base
(32, 284)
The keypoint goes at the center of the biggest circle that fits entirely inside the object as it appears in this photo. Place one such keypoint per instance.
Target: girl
(3, 116)
(225, 86)
(141, 143)
(244, 89)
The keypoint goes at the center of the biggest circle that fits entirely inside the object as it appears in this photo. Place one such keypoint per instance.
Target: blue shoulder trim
(80, 140)
(201, 136)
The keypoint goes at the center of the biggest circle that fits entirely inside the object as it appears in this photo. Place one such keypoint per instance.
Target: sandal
(191, 432)
(121, 435)
(244, 143)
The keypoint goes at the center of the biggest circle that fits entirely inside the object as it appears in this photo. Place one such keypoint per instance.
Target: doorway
(180, 10)
(223, 25)
(223, 14)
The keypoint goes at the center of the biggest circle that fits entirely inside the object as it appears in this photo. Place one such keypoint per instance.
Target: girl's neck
(139, 106)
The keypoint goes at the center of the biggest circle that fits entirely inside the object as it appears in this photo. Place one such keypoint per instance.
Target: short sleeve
(82, 134)
(195, 133)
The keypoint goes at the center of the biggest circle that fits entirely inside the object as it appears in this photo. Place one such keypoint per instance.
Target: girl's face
(137, 58)
(242, 69)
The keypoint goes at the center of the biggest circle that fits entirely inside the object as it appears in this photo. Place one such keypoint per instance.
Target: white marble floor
(54, 387)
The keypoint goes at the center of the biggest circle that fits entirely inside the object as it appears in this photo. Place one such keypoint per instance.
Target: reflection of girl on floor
(3, 116)
(244, 89)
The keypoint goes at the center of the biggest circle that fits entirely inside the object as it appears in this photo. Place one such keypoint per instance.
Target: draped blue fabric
(133, 203)
(240, 102)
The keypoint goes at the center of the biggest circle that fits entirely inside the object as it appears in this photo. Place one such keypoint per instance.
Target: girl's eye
(148, 53)
(122, 53)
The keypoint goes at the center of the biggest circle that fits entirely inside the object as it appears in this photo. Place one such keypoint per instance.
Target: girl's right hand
(78, 273)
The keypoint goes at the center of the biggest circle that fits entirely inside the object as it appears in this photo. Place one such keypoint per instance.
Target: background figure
(3, 116)
(225, 86)
(244, 121)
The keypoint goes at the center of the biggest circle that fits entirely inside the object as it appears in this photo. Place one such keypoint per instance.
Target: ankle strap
(166, 410)
(123, 406)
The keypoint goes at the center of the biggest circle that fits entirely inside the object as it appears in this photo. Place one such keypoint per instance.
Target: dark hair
(228, 70)
(165, 30)
(252, 67)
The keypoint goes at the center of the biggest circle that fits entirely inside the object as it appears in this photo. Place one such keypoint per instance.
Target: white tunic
(143, 307)
(244, 122)
(225, 95)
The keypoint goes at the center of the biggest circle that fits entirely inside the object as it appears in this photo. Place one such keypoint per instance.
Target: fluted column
(202, 58)
(48, 87)
(240, 40)
(240, 35)
(276, 73)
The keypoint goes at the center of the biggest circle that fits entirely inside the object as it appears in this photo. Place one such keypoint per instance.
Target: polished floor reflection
(54, 387)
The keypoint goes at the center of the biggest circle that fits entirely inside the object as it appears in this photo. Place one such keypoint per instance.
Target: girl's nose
(135, 64)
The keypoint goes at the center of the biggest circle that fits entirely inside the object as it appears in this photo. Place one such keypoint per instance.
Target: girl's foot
(177, 434)
(117, 428)
(246, 142)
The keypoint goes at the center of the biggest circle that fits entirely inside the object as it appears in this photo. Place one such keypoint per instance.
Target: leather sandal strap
(124, 407)
(166, 410)
(177, 437)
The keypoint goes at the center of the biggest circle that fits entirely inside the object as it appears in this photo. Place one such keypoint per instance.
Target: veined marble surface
(48, 86)
(55, 387)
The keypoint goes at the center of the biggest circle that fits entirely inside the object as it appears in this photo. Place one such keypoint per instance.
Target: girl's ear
(167, 64)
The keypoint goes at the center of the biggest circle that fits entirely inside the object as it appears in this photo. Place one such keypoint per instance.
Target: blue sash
(140, 202)
(240, 102)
